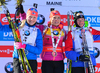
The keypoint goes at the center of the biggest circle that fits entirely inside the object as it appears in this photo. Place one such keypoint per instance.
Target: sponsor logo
(55, 32)
(40, 19)
(4, 20)
(93, 20)
(6, 51)
(6, 36)
(9, 67)
(53, 3)
(97, 52)
(97, 68)
(64, 20)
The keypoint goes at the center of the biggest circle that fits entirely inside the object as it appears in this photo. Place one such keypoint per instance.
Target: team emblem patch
(27, 33)
(55, 32)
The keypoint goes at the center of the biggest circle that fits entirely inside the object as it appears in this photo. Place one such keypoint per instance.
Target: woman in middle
(53, 38)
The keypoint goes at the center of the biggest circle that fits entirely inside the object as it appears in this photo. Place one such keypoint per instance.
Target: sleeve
(69, 46)
(39, 44)
(23, 16)
(41, 27)
(95, 33)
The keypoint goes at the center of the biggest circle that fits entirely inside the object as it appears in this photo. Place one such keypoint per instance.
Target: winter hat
(32, 11)
(54, 12)
(77, 15)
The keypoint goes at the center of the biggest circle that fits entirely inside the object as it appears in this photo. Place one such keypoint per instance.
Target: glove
(20, 7)
(19, 45)
(84, 58)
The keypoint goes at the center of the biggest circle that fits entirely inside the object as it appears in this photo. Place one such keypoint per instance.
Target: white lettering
(89, 19)
(6, 51)
(4, 19)
(94, 19)
(99, 70)
(2, 50)
(98, 19)
(96, 69)
(64, 20)
(9, 34)
(5, 34)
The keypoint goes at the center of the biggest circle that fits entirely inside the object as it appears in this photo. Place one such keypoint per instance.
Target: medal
(54, 53)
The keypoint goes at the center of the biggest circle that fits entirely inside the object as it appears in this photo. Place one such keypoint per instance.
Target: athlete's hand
(84, 58)
(19, 45)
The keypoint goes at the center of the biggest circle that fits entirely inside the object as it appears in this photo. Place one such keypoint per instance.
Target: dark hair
(77, 15)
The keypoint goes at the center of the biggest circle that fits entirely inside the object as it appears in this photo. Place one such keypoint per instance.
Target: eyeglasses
(80, 20)
(33, 9)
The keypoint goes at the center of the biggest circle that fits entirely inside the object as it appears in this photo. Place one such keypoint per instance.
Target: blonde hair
(22, 23)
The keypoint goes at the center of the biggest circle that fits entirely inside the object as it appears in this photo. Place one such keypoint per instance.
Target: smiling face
(80, 22)
(55, 20)
(31, 20)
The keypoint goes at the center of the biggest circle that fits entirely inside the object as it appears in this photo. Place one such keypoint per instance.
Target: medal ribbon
(55, 46)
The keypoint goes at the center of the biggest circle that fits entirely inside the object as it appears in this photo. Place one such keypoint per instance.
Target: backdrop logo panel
(6, 51)
(93, 20)
(9, 67)
(97, 52)
(40, 19)
(64, 20)
(6, 36)
(97, 68)
(3, 19)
